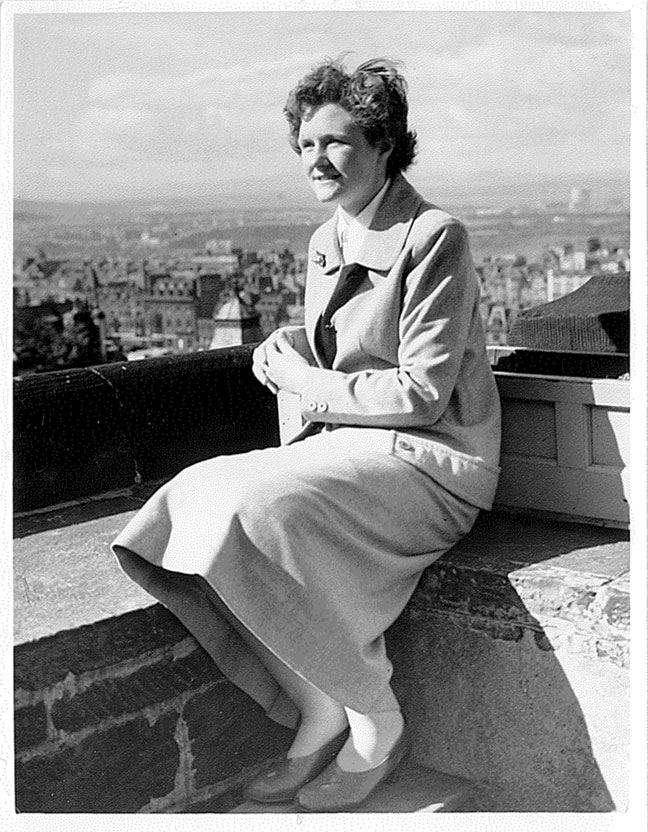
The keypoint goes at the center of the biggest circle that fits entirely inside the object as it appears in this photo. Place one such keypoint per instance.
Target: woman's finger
(259, 354)
(259, 373)
(283, 340)
(260, 370)
(284, 347)
(272, 350)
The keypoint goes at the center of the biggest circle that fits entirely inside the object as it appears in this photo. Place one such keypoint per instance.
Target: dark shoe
(336, 790)
(280, 780)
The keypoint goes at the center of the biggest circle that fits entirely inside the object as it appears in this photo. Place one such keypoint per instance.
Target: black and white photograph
(326, 422)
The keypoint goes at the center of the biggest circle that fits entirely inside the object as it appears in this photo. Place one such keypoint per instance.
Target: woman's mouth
(326, 177)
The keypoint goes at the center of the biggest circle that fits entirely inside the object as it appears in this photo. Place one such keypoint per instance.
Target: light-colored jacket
(411, 354)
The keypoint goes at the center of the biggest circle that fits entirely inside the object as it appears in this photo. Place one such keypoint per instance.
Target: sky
(120, 105)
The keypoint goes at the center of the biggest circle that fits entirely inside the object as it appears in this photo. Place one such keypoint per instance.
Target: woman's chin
(328, 192)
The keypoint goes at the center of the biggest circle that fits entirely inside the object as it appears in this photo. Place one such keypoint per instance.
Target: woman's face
(340, 164)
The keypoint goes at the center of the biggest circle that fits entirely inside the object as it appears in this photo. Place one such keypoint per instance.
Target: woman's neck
(354, 214)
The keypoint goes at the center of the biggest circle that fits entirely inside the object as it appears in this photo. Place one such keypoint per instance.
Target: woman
(288, 564)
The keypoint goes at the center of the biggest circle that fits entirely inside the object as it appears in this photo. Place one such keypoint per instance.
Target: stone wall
(117, 708)
(92, 430)
(510, 660)
(130, 715)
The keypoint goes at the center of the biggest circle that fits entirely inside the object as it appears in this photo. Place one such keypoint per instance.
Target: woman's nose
(321, 159)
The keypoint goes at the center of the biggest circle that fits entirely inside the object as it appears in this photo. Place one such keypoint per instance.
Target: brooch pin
(319, 259)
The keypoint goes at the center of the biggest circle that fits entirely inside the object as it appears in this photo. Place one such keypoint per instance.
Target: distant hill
(503, 192)
(25, 216)
(449, 191)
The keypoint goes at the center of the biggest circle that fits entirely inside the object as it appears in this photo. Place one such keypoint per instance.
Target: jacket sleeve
(439, 302)
(297, 336)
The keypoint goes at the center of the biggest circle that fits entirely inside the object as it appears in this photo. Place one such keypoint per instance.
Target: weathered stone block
(117, 770)
(30, 726)
(540, 730)
(229, 731)
(469, 589)
(46, 661)
(219, 805)
(128, 694)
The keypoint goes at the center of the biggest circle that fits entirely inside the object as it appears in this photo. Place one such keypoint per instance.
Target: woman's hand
(277, 364)
(260, 362)
(286, 368)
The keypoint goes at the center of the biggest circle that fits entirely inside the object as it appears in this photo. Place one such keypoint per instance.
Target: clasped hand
(277, 364)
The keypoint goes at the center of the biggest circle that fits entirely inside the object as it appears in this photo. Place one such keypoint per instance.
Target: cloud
(121, 121)
(199, 96)
(233, 82)
(112, 86)
(527, 93)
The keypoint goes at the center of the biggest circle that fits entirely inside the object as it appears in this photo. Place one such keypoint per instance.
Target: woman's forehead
(326, 118)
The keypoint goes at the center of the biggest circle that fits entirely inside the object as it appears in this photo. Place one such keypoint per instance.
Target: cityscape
(104, 283)
(159, 209)
(160, 228)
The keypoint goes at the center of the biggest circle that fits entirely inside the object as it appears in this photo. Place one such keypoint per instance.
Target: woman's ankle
(315, 731)
(372, 738)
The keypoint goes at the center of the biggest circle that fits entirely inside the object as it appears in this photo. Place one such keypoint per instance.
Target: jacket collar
(385, 237)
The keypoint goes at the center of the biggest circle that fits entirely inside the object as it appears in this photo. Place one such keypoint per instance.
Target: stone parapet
(153, 732)
(567, 584)
(119, 712)
(89, 431)
(511, 659)
(496, 659)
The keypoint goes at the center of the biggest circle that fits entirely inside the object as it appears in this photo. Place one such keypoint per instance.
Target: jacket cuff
(314, 407)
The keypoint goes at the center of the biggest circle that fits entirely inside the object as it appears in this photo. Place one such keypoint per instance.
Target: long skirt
(315, 548)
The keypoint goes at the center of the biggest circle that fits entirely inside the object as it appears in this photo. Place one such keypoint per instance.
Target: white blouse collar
(352, 230)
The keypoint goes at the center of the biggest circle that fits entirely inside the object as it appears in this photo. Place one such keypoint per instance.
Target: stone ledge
(85, 634)
(117, 709)
(64, 574)
(412, 788)
(511, 571)
(514, 572)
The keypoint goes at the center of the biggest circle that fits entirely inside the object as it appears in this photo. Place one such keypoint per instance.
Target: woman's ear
(386, 148)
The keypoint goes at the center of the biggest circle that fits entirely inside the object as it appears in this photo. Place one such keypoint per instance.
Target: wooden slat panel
(597, 493)
(529, 428)
(588, 478)
(572, 435)
(599, 391)
(610, 436)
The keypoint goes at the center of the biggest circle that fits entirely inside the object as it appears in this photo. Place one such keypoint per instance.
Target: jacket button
(405, 446)
(312, 405)
(322, 407)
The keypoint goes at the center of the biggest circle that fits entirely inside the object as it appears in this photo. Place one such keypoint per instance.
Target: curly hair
(375, 94)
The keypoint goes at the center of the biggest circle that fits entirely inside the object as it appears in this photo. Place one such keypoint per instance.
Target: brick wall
(130, 715)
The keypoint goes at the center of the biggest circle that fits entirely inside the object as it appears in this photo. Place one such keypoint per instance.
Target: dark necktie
(349, 279)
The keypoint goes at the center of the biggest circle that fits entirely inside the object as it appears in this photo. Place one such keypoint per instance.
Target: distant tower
(235, 322)
(580, 200)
